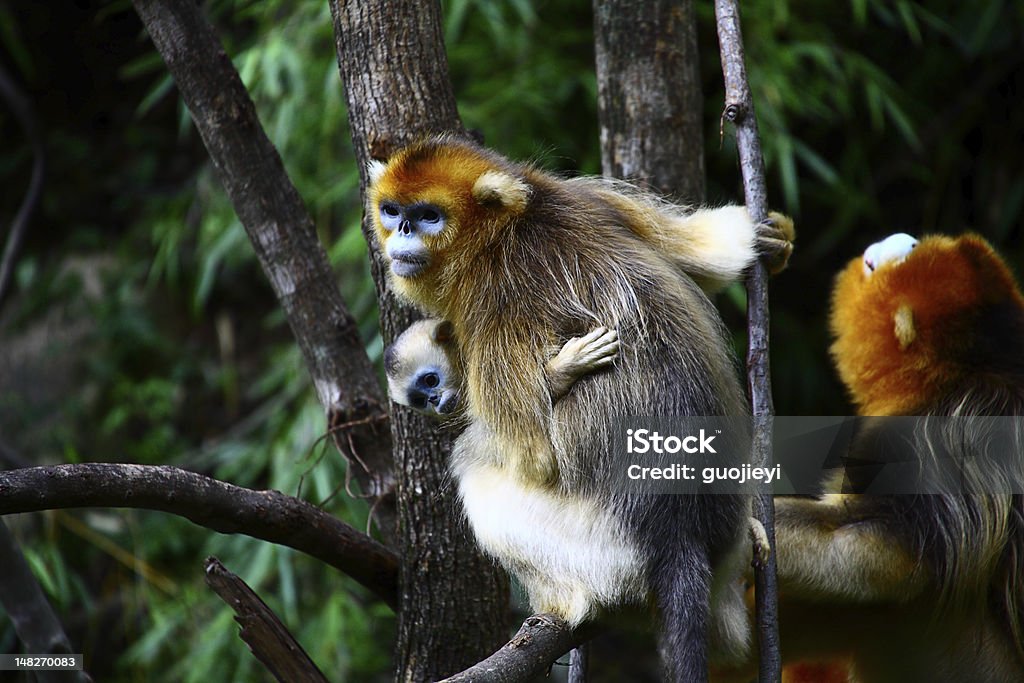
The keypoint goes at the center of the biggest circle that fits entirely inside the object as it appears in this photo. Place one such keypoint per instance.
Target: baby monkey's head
(422, 369)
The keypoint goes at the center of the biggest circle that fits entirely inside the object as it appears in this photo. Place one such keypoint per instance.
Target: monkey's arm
(578, 357)
(715, 246)
(833, 549)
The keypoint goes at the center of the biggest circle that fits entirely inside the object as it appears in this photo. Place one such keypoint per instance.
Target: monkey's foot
(775, 239)
(759, 537)
(582, 355)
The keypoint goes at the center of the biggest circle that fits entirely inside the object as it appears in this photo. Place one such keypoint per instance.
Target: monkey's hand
(580, 356)
(762, 548)
(775, 239)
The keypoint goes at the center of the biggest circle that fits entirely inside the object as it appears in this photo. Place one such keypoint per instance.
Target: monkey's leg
(834, 549)
(716, 246)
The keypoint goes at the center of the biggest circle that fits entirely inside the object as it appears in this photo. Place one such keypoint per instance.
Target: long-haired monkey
(926, 587)
(518, 261)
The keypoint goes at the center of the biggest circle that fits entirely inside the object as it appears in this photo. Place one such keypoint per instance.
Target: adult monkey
(518, 260)
(926, 587)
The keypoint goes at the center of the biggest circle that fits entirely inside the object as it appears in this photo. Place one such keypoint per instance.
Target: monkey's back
(964, 363)
(570, 263)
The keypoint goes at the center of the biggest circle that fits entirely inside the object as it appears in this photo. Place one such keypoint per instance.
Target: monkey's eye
(431, 379)
(390, 210)
(430, 216)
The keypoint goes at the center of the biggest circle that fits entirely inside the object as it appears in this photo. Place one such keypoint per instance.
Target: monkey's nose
(405, 228)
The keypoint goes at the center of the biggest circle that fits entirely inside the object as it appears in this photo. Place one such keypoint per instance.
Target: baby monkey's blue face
(420, 372)
(429, 391)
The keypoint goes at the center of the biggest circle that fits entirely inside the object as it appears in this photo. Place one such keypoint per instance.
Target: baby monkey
(424, 370)
(424, 374)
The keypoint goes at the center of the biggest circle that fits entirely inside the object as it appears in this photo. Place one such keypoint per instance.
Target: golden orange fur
(893, 588)
(891, 369)
(937, 332)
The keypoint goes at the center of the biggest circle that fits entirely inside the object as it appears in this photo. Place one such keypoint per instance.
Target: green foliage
(164, 343)
(521, 72)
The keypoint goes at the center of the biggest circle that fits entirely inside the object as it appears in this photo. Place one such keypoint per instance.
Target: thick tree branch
(266, 515)
(541, 640)
(262, 630)
(283, 236)
(739, 108)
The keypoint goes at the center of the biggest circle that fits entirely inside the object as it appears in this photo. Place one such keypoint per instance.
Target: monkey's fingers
(577, 345)
(602, 351)
(775, 241)
(782, 224)
(759, 538)
(775, 252)
(604, 357)
(591, 336)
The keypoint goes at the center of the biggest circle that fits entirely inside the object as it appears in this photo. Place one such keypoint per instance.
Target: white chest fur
(571, 556)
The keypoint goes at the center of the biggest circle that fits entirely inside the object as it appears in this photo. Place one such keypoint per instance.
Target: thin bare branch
(19, 105)
(266, 515)
(739, 109)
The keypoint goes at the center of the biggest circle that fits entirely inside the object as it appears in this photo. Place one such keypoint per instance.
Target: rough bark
(739, 108)
(541, 640)
(267, 515)
(453, 602)
(284, 238)
(262, 630)
(649, 94)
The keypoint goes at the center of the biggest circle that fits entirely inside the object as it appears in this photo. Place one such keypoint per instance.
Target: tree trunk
(453, 601)
(283, 236)
(649, 95)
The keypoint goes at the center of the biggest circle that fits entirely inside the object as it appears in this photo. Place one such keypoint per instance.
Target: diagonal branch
(34, 620)
(266, 515)
(739, 108)
(19, 105)
(262, 630)
(283, 235)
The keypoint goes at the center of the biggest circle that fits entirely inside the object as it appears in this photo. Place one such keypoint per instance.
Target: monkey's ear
(501, 189)
(374, 170)
(444, 333)
(903, 326)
